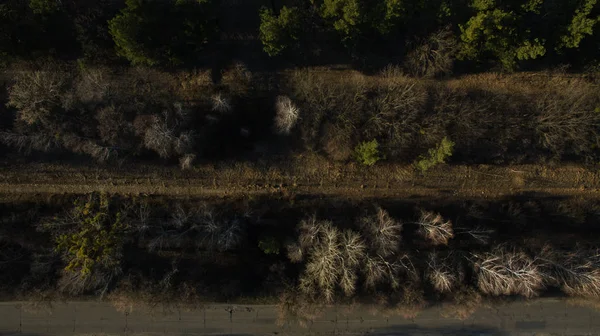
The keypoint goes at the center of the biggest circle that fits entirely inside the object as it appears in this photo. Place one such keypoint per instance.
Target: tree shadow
(413, 329)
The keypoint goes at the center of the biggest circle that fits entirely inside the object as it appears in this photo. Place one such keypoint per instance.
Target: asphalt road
(540, 317)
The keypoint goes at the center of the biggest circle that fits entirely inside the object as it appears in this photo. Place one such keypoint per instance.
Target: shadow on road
(413, 329)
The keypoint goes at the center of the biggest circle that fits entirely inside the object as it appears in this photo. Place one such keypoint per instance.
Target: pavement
(539, 317)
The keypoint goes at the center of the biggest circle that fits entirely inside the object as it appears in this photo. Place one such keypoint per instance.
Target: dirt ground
(302, 177)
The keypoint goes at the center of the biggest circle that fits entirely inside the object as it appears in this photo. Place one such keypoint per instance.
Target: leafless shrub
(164, 135)
(337, 142)
(186, 161)
(382, 231)
(25, 143)
(295, 252)
(93, 86)
(479, 234)
(85, 146)
(220, 103)
(567, 119)
(434, 228)
(433, 55)
(113, 128)
(36, 93)
(508, 273)
(441, 273)
(286, 115)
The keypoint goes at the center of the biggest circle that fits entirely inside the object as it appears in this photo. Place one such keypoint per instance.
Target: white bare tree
(441, 273)
(333, 258)
(434, 228)
(383, 232)
(220, 103)
(286, 115)
(509, 272)
(577, 272)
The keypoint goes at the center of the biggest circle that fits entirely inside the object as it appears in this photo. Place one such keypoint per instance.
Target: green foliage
(269, 245)
(278, 33)
(94, 238)
(581, 24)
(353, 17)
(436, 155)
(162, 32)
(44, 6)
(367, 152)
(493, 32)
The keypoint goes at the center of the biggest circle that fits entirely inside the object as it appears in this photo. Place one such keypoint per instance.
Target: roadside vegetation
(399, 255)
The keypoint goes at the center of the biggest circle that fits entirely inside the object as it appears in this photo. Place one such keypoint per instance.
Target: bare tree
(382, 231)
(441, 273)
(434, 228)
(286, 115)
(333, 258)
(508, 273)
(25, 143)
(220, 103)
(576, 272)
(36, 93)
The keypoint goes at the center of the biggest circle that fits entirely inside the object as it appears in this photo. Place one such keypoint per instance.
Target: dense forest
(425, 36)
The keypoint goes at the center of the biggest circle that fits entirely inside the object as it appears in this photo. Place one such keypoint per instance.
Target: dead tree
(434, 228)
(508, 273)
(383, 232)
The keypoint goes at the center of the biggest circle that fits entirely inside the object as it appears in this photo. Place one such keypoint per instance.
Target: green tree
(157, 32)
(497, 32)
(581, 24)
(367, 153)
(279, 32)
(354, 17)
(436, 155)
(90, 239)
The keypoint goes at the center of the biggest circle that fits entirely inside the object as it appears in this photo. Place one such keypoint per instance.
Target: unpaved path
(540, 317)
(330, 180)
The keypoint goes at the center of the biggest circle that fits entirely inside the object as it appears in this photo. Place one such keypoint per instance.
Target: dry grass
(464, 302)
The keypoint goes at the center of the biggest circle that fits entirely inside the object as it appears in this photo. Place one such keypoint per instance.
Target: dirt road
(338, 180)
(540, 317)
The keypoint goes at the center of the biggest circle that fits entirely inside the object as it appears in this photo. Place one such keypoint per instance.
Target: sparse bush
(186, 162)
(286, 115)
(367, 153)
(435, 228)
(436, 155)
(269, 245)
